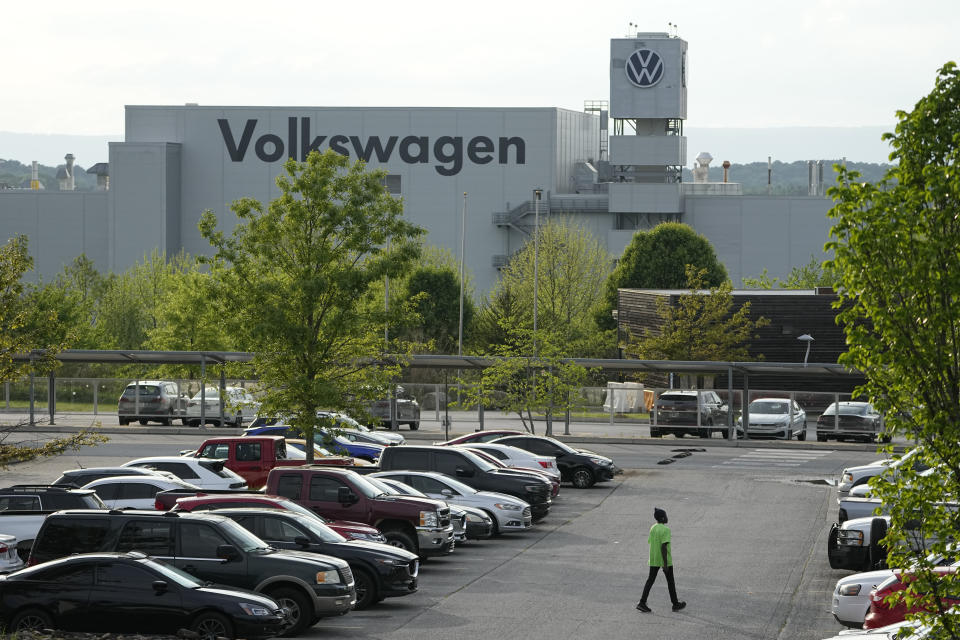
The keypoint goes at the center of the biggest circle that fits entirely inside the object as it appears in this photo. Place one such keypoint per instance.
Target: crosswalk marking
(760, 458)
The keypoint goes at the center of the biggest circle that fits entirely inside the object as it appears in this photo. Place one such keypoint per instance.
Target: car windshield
(405, 489)
(244, 540)
(848, 408)
(383, 486)
(319, 529)
(211, 393)
(368, 488)
(145, 390)
(174, 574)
(481, 463)
(459, 487)
(769, 406)
(290, 505)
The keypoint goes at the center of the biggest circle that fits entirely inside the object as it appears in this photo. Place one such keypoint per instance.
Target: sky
(752, 63)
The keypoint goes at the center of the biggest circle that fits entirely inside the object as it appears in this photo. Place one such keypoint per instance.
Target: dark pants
(667, 571)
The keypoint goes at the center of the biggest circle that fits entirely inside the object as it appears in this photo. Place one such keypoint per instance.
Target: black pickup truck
(473, 471)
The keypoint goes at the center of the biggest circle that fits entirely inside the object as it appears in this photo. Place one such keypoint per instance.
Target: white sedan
(134, 492)
(238, 406)
(517, 458)
(855, 476)
(896, 631)
(508, 513)
(201, 472)
(775, 418)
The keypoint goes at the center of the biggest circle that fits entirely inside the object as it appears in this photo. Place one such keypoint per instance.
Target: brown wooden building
(792, 313)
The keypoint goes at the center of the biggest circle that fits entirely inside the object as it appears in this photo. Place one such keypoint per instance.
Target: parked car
(477, 525)
(579, 467)
(208, 502)
(379, 570)
(851, 595)
(407, 410)
(506, 512)
(850, 421)
(855, 476)
(470, 468)
(486, 435)
(250, 457)
(134, 492)
(346, 424)
(203, 473)
(238, 404)
(23, 508)
(541, 473)
(458, 517)
(79, 477)
(131, 593)
(337, 443)
(774, 418)
(160, 401)
(212, 548)
(517, 458)
(697, 412)
(897, 631)
(10, 560)
(882, 613)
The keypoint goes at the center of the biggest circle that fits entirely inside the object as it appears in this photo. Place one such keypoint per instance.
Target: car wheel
(239, 421)
(401, 540)
(123, 420)
(496, 526)
(877, 558)
(168, 420)
(144, 421)
(803, 433)
(366, 587)
(31, 620)
(821, 438)
(192, 423)
(298, 608)
(211, 625)
(414, 425)
(582, 478)
(832, 547)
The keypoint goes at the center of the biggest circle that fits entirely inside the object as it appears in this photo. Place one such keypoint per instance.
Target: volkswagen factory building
(613, 168)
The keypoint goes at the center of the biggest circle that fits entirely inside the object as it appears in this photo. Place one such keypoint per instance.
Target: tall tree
(295, 275)
(896, 252)
(20, 333)
(702, 326)
(566, 272)
(657, 259)
(809, 276)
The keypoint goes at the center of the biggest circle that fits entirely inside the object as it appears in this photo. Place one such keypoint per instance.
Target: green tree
(809, 276)
(571, 267)
(702, 326)
(431, 292)
(895, 247)
(657, 259)
(296, 277)
(19, 334)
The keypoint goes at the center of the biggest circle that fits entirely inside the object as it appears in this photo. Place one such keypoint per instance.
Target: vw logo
(644, 68)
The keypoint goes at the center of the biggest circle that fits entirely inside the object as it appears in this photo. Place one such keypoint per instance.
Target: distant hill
(787, 179)
(16, 175)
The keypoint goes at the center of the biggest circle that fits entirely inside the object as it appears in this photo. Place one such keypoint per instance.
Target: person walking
(660, 558)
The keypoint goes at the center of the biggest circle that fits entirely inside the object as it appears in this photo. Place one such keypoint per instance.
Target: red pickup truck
(419, 525)
(252, 457)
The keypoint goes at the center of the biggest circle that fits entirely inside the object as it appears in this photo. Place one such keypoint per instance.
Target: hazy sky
(72, 66)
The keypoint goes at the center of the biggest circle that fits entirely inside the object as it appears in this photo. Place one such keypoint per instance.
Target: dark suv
(212, 548)
(379, 570)
(579, 467)
(697, 412)
(158, 400)
(44, 497)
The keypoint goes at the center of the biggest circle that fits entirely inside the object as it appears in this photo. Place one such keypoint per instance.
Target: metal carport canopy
(427, 361)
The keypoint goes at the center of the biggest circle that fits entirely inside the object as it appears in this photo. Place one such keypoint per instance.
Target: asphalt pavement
(748, 521)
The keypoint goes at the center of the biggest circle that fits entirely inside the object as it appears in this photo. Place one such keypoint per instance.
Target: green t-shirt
(659, 533)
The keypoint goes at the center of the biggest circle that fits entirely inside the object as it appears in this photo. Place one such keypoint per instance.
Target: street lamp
(536, 260)
(808, 339)
(463, 232)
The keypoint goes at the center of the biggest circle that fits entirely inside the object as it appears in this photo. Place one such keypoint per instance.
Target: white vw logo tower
(644, 68)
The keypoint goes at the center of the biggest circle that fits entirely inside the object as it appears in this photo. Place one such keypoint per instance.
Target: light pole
(536, 260)
(808, 339)
(463, 233)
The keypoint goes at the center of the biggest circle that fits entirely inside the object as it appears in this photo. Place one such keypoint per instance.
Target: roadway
(749, 525)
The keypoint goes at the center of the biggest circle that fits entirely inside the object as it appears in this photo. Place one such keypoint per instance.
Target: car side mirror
(227, 552)
(464, 473)
(160, 587)
(345, 496)
(446, 493)
(302, 541)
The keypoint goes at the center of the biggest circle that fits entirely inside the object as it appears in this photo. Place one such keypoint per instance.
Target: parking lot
(749, 527)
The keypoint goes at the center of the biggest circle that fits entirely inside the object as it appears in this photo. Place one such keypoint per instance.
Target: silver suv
(697, 412)
(157, 400)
